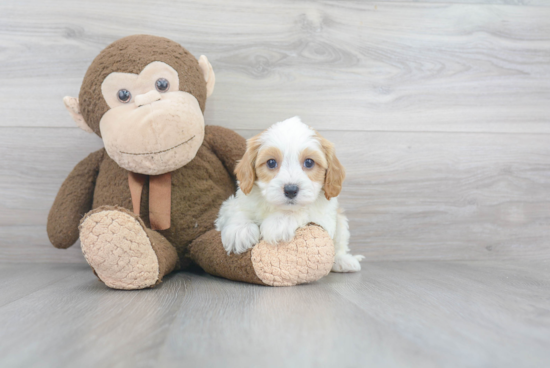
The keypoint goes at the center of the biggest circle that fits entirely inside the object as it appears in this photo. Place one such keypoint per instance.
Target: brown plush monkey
(145, 205)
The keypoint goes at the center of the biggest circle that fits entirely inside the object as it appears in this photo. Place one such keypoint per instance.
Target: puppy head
(290, 163)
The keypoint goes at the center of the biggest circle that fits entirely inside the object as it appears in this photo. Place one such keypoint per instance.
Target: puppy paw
(347, 263)
(273, 235)
(240, 238)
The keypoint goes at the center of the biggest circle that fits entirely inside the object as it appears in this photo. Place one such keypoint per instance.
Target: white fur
(265, 213)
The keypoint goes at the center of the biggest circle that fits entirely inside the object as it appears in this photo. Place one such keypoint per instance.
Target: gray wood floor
(392, 314)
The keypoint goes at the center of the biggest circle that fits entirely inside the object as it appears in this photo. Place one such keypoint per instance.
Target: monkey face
(145, 96)
(151, 127)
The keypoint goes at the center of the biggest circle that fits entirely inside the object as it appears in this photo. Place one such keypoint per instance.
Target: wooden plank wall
(440, 111)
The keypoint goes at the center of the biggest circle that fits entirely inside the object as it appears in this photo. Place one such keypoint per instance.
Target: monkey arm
(73, 201)
(228, 145)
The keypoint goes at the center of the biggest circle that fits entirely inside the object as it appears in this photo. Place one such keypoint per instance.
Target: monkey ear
(73, 107)
(208, 74)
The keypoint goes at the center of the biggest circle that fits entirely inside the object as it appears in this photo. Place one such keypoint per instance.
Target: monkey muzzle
(154, 136)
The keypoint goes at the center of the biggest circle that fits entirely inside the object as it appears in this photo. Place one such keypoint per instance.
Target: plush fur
(131, 55)
(95, 198)
(262, 210)
(193, 212)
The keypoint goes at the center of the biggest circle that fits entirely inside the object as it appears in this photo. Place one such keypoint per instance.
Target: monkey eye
(271, 163)
(124, 95)
(308, 163)
(162, 85)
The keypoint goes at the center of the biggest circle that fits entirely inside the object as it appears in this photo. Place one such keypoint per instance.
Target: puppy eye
(124, 96)
(308, 163)
(162, 85)
(271, 163)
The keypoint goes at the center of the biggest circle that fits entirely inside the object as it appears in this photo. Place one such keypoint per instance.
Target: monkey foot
(118, 249)
(306, 258)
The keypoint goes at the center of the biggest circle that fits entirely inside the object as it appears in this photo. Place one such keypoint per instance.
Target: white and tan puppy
(288, 177)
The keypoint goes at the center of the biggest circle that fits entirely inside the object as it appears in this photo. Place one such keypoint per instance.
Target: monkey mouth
(156, 152)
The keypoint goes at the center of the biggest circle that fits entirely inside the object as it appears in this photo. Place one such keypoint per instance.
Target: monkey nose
(147, 98)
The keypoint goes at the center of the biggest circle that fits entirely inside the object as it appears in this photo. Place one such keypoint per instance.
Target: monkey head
(145, 97)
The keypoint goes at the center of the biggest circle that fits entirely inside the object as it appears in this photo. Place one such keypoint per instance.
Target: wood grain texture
(73, 317)
(31, 244)
(18, 281)
(477, 313)
(439, 110)
(339, 64)
(392, 314)
(407, 195)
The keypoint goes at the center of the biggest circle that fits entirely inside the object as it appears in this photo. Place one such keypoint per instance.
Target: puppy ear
(245, 170)
(336, 173)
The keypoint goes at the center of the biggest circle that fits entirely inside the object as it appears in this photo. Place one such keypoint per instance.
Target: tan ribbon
(160, 193)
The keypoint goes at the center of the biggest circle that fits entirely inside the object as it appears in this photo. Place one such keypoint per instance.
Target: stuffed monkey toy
(145, 205)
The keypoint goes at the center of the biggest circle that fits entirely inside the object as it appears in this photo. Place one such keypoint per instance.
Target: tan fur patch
(335, 171)
(263, 172)
(318, 171)
(245, 170)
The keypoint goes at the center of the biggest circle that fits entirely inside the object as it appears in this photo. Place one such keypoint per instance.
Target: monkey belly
(198, 190)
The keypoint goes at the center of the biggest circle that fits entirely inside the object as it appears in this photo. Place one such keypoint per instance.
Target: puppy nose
(291, 190)
(147, 98)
